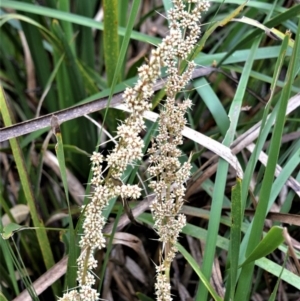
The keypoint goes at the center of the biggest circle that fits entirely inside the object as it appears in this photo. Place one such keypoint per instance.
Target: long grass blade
(243, 289)
(26, 185)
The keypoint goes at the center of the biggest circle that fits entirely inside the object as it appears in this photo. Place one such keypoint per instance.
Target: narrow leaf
(197, 270)
(235, 232)
(111, 38)
(269, 243)
(72, 266)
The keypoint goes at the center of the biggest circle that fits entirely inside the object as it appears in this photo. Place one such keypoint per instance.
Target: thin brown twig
(42, 122)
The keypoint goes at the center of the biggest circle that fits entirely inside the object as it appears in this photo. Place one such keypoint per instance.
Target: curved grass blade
(26, 185)
(213, 103)
(76, 19)
(34, 33)
(284, 16)
(197, 269)
(273, 295)
(223, 243)
(271, 32)
(269, 243)
(73, 249)
(5, 251)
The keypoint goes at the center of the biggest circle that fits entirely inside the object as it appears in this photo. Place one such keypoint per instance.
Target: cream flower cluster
(184, 32)
(165, 167)
(128, 150)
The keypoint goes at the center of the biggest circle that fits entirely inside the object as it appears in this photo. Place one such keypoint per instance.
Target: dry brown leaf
(19, 212)
(132, 242)
(135, 270)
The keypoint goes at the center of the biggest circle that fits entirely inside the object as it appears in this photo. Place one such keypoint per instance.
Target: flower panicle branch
(165, 168)
(127, 150)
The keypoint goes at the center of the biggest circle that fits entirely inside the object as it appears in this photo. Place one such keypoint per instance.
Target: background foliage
(57, 54)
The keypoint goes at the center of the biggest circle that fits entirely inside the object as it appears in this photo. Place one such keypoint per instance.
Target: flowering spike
(165, 168)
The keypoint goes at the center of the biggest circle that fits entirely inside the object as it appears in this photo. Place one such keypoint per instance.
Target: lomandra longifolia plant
(167, 173)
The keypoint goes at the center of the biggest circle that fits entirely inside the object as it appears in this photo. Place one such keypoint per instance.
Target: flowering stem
(170, 175)
(165, 167)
